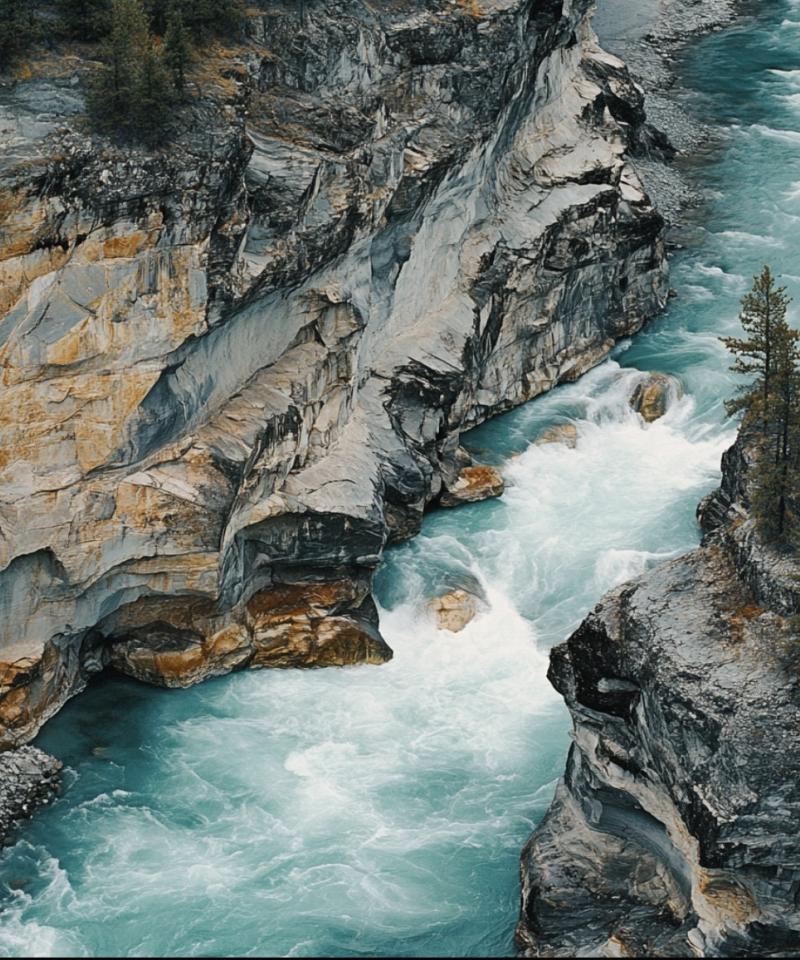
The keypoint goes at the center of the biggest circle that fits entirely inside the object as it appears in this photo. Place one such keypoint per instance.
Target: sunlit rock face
(674, 829)
(233, 369)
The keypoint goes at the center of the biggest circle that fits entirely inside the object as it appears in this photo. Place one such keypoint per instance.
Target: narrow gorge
(242, 377)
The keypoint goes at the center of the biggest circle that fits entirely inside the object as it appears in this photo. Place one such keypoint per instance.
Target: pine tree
(775, 480)
(85, 19)
(157, 11)
(208, 18)
(771, 405)
(18, 29)
(132, 94)
(153, 97)
(177, 47)
(763, 308)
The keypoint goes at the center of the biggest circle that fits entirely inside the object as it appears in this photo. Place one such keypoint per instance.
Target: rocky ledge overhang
(233, 369)
(675, 831)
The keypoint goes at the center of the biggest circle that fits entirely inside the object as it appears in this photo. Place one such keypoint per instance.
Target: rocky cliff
(674, 831)
(234, 368)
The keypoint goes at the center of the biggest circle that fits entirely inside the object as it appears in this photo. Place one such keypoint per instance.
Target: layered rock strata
(675, 829)
(234, 369)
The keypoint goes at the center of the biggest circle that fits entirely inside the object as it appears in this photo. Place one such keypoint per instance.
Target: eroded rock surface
(674, 831)
(231, 371)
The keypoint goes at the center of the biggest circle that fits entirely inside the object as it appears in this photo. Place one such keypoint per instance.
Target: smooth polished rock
(454, 610)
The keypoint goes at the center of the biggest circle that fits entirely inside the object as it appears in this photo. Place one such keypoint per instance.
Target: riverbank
(651, 38)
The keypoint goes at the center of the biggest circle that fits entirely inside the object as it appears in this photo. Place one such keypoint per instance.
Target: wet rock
(28, 779)
(566, 434)
(329, 623)
(651, 397)
(473, 484)
(453, 611)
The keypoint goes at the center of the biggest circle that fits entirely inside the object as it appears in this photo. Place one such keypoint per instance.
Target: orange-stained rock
(472, 484)
(290, 599)
(453, 611)
(177, 642)
(35, 684)
(174, 658)
(303, 641)
(566, 434)
(652, 396)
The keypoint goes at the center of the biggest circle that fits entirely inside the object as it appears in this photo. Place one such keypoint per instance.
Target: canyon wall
(233, 369)
(674, 830)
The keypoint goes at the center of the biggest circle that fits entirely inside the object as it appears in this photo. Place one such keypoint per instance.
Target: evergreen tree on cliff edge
(771, 406)
(132, 93)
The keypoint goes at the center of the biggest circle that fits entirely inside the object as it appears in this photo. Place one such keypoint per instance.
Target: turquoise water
(381, 811)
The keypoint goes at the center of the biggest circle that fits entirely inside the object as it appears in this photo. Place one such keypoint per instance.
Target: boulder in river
(652, 396)
(455, 610)
(473, 484)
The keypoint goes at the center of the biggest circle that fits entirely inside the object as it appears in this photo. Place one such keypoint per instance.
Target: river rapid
(382, 810)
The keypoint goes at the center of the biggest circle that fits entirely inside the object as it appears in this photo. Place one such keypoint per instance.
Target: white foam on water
(615, 566)
(787, 136)
(743, 237)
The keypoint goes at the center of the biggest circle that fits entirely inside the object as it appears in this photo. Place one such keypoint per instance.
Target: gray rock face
(235, 369)
(674, 831)
(28, 778)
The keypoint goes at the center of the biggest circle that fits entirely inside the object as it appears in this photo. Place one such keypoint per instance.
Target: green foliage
(18, 29)
(209, 18)
(85, 19)
(771, 406)
(177, 45)
(762, 308)
(132, 94)
(154, 95)
(203, 19)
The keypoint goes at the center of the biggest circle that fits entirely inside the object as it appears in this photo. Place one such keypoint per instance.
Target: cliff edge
(674, 831)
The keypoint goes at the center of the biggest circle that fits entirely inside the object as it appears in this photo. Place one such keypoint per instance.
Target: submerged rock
(566, 434)
(473, 484)
(652, 396)
(674, 830)
(455, 610)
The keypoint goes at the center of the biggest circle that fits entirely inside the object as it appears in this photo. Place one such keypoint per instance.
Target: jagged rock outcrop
(674, 831)
(232, 370)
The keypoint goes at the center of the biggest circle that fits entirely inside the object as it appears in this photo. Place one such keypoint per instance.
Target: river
(381, 811)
